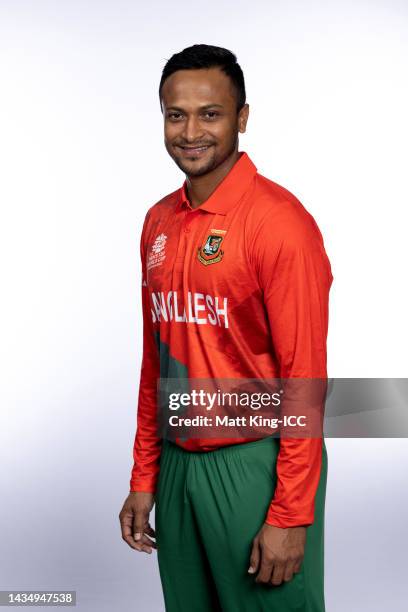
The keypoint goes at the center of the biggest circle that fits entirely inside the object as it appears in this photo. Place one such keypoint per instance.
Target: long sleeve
(147, 445)
(295, 276)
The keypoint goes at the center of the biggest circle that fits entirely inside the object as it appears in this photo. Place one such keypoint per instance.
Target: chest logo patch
(211, 252)
(157, 253)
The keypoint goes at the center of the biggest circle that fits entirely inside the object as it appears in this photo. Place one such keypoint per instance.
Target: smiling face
(201, 123)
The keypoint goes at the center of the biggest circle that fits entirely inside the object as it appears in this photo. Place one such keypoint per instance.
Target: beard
(194, 167)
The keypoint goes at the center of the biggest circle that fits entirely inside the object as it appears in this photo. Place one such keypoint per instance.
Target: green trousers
(209, 508)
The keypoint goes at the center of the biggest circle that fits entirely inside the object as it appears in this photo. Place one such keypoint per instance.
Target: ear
(243, 118)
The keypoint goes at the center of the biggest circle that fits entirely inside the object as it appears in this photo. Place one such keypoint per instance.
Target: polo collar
(228, 192)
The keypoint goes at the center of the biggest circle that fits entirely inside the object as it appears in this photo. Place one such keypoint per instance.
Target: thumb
(139, 523)
(254, 559)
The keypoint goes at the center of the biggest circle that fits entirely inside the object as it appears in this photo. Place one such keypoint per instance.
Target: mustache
(194, 146)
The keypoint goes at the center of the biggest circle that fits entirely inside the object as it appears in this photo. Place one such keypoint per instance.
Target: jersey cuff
(146, 485)
(273, 518)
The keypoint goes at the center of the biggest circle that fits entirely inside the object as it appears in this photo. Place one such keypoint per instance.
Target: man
(235, 285)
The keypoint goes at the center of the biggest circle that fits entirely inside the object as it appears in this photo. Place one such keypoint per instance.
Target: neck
(201, 187)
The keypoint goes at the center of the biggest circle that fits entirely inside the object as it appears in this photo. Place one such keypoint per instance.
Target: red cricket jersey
(236, 288)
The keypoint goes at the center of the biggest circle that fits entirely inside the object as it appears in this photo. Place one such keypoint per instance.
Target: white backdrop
(81, 160)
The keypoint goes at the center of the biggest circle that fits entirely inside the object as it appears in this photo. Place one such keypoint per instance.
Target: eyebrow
(178, 108)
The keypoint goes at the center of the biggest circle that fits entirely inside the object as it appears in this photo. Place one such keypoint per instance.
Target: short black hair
(207, 56)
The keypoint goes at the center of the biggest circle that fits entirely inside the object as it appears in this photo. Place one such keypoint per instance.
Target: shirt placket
(184, 242)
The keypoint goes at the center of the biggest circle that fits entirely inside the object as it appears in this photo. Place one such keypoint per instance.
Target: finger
(140, 521)
(147, 550)
(289, 571)
(254, 558)
(277, 574)
(265, 571)
(150, 531)
(126, 523)
(147, 541)
(297, 566)
(130, 540)
(145, 544)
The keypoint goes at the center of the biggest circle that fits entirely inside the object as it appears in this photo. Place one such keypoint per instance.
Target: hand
(277, 553)
(134, 521)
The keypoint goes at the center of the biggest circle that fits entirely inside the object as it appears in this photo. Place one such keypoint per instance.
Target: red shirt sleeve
(147, 445)
(295, 275)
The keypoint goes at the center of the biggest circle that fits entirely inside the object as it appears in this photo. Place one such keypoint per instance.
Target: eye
(211, 114)
(174, 115)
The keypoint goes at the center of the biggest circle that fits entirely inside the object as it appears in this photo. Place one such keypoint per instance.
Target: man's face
(201, 123)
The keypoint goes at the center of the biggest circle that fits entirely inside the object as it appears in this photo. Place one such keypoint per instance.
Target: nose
(192, 129)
